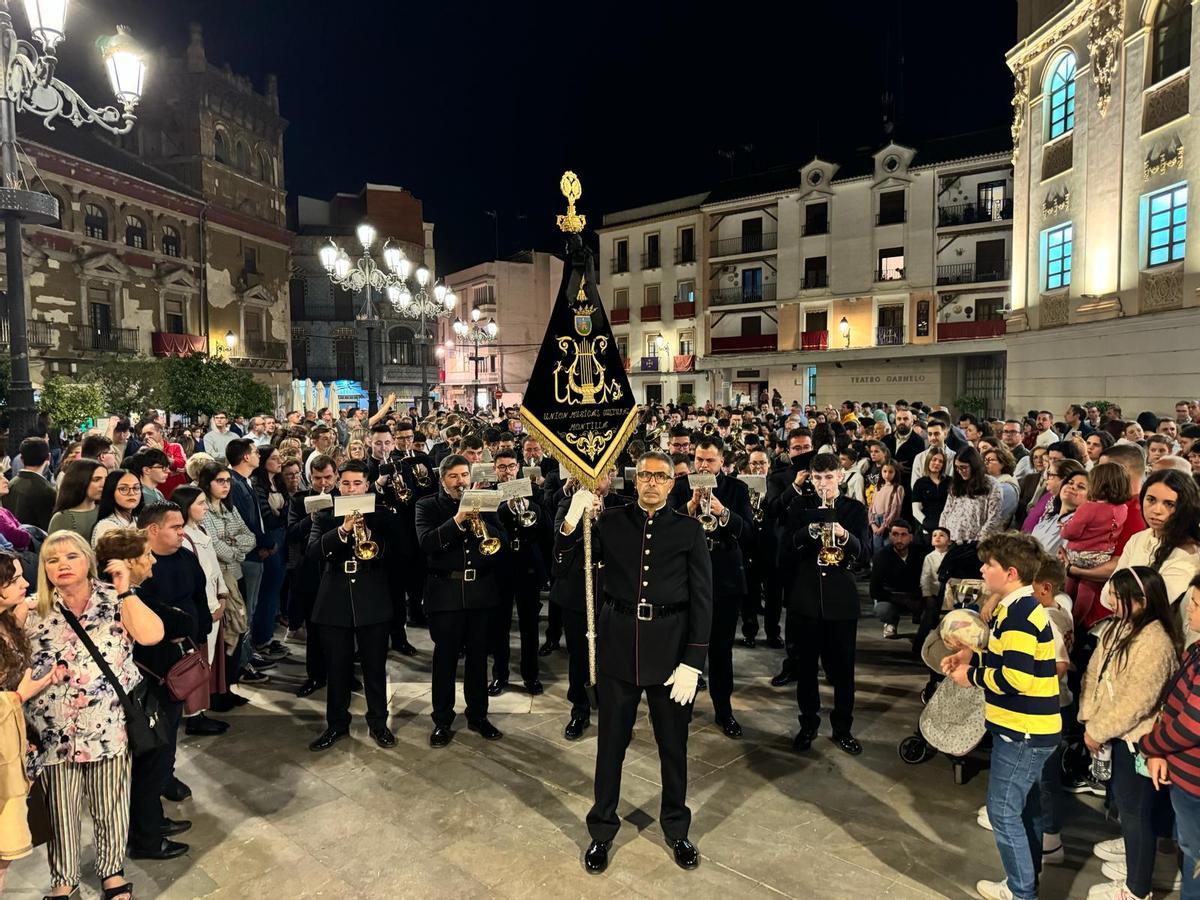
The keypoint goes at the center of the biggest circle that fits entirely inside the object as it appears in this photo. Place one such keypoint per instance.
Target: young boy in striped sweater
(1020, 683)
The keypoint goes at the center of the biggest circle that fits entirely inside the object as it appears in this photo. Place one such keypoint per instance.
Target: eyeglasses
(223, 480)
(656, 477)
(509, 468)
(128, 491)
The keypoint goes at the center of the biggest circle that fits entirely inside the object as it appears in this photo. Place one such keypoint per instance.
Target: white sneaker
(297, 635)
(1115, 870)
(1113, 850)
(1053, 853)
(993, 890)
(982, 818)
(889, 631)
(1114, 890)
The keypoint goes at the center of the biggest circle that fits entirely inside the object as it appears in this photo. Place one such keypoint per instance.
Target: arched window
(221, 147)
(170, 241)
(135, 232)
(266, 170)
(400, 346)
(1062, 96)
(95, 222)
(1172, 38)
(243, 156)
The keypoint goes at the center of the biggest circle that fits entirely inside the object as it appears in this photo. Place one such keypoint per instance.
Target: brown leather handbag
(188, 681)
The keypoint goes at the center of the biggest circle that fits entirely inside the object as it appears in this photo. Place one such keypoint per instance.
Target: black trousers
(831, 642)
(315, 667)
(414, 589)
(151, 772)
(720, 653)
(554, 624)
(338, 644)
(526, 596)
(398, 633)
(763, 590)
(618, 711)
(575, 628)
(451, 630)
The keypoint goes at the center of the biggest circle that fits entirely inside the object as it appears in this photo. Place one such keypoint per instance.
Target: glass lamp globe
(47, 21)
(124, 61)
(422, 276)
(328, 255)
(366, 234)
(492, 328)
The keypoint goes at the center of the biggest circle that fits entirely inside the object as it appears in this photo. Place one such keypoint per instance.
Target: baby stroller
(952, 721)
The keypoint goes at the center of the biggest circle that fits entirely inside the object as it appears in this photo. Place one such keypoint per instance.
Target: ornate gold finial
(572, 190)
(582, 295)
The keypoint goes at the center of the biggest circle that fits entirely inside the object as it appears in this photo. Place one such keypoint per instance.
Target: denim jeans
(252, 576)
(1187, 825)
(262, 627)
(1014, 809)
(887, 612)
(1134, 796)
(1051, 787)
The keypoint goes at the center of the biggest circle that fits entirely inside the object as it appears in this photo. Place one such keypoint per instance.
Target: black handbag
(145, 724)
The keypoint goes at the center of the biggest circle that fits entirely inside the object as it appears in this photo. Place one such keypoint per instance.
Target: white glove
(683, 683)
(581, 500)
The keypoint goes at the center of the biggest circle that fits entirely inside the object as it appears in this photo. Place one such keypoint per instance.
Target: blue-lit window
(1062, 96)
(1168, 226)
(1058, 257)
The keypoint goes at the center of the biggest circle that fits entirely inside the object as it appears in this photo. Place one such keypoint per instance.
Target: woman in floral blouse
(81, 721)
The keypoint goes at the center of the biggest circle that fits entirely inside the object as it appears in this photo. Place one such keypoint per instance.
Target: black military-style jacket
(529, 546)
(650, 562)
(353, 591)
(458, 575)
(567, 589)
(726, 542)
(823, 592)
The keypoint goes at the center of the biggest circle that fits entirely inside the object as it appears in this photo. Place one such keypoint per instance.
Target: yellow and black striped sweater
(1017, 674)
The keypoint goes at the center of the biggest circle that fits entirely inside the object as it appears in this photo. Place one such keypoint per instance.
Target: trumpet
(706, 519)
(708, 429)
(756, 505)
(488, 545)
(526, 517)
(399, 487)
(830, 553)
(364, 547)
(421, 474)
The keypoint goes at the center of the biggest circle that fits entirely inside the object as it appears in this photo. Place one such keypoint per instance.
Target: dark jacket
(244, 499)
(178, 580)
(158, 658)
(529, 546)
(824, 592)
(352, 591)
(567, 588)
(661, 561)
(31, 499)
(459, 575)
(896, 580)
(725, 542)
(908, 451)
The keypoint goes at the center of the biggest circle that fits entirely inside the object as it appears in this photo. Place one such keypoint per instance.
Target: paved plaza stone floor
(506, 819)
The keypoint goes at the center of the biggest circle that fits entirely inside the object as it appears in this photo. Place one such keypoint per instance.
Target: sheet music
(756, 483)
(518, 487)
(484, 501)
(483, 473)
(702, 480)
(318, 502)
(360, 503)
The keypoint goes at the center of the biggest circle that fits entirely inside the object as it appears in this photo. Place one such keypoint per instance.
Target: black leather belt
(647, 612)
(464, 575)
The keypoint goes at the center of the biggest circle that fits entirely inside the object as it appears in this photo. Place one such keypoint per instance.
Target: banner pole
(589, 596)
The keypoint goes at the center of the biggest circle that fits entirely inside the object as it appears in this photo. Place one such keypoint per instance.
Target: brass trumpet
(526, 517)
(830, 553)
(756, 505)
(421, 474)
(488, 545)
(364, 547)
(706, 519)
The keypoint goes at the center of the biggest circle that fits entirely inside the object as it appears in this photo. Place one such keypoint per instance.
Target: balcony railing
(684, 310)
(112, 340)
(684, 363)
(755, 343)
(275, 351)
(743, 294)
(620, 265)
(165, 343)
(652, 260)
(814, 340)
(652, 313)
(808, 229)
(746, 243)
(891, 217)
(974, 213)
(37, 333)
(332, 373)
(683, 255)
(973, 272)
(887, 336)
(969, 331)
(618, 316)
(894, 273)
(815, 279)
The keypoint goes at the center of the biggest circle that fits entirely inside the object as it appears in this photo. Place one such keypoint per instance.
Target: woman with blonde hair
(195, 464)
(81, 720)
(356, 450)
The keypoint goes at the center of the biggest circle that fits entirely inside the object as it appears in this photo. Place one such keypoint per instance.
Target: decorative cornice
(1170, 157)
(1104, 40)
(1056, 203)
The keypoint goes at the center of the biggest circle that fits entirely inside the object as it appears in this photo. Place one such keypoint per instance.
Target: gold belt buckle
(645, 611)
(468, 574)
(350, 566)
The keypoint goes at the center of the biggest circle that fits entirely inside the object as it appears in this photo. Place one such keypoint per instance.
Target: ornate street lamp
(422, 306)
(31, 86)
(476, 333)
(844, 326)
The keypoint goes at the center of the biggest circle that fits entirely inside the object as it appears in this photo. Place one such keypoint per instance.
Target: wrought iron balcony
(886, 336)
(975, 213)
(744, 294)
(891, 217)
(683, 255)
(652, 260)
(808, 229)
(973, 272)
(166, 343)
(111, 340)
(620, 265)
(890, 273)
(746, 243)
(260, 354)
(969, 331)
(816, 279)
(652, 313)
(757, 343)
(618, 316)
(37, 333)
(814, 340)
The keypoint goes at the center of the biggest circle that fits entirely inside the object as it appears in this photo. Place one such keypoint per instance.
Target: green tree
(204, 384)
(71, 403)
(132, 384)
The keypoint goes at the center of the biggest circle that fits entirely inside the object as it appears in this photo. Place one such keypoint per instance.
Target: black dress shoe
(774, 643)
(418, 622)
(730, 727)
(803, 739)
(355, 685)
(847, 743)
(328, 738)
(749, 642)
(405, 649)
(534, 687)
(574, 729)
(547, 648)
(203, 725)
(176, 791)
(486, 730)
(174, 826)
(440, 736)
(309, 687)
(227, 702)
(383, 737)
(595, 858)
(701, 684)
(785, 677)
(165, 850)
(496, 687)
(686, 854)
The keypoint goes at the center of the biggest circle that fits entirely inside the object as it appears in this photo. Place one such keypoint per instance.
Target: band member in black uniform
(381, 462)
(407, 477)
(763, 589)
(353, 607)
(785, 484)
(823, 604)
(304, 530)
(521, 581)
(724, 513)
(652, 636)
(567, 595)
(461, 593)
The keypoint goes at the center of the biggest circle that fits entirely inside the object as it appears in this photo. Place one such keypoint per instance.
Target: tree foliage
(70, 403)
(205, 384)
(133, 385)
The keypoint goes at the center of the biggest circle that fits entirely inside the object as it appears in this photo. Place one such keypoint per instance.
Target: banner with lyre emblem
(579, 403)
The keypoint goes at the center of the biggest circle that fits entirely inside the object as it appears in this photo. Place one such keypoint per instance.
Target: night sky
(481, 106)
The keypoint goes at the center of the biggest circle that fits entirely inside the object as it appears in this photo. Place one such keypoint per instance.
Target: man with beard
(903, 444)
(936, 433)
(461, 592)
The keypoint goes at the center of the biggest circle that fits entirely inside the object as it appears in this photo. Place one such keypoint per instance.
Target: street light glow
(47, 21)
(126, 66)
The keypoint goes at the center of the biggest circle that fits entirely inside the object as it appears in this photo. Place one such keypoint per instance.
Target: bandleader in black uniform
(304, 530)
(652, 636)
(823, 604)
(762, 573)
(729, 507)
(353, 607)
(461, 593)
